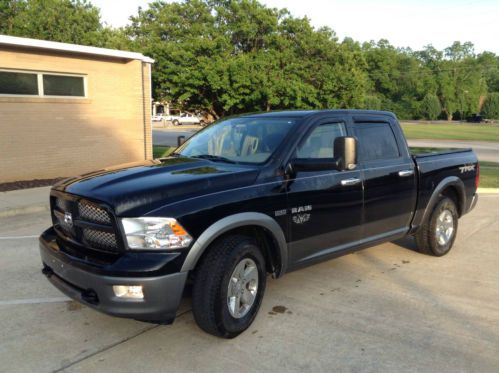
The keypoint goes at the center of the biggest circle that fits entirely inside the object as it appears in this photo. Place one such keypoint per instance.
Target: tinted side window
(319, 144)
(376, 141)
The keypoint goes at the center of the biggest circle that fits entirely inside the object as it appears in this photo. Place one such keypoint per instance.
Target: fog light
(123, 291)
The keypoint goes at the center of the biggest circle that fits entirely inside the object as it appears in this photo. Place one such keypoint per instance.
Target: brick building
(68, 109)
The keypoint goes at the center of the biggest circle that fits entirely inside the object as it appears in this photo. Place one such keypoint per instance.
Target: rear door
(389, 174)
(324, 207)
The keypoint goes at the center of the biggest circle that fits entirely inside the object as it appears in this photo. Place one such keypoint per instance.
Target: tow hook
(47, 271)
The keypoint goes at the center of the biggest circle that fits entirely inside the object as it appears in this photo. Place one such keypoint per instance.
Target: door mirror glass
(345, 157)
(345, 152)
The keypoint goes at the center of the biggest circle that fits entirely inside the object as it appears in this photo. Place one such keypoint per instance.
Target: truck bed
(435, 165)
(421, 152)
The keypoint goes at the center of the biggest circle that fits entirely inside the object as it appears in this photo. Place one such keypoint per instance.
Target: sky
(405, 23)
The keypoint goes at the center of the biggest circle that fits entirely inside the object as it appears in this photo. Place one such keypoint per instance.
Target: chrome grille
(100, 239)
(93, 213)
(91, 227)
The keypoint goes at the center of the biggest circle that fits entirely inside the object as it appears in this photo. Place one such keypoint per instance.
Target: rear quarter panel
(434, 170)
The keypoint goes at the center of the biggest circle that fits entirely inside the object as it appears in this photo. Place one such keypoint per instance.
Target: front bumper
(162, 294)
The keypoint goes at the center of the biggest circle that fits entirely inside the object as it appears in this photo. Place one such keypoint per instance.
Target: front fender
(235, 221)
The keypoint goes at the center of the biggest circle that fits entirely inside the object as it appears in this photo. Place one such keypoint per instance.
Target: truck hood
(134, 189)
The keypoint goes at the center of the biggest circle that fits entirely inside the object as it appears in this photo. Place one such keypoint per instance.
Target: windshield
(247, 140)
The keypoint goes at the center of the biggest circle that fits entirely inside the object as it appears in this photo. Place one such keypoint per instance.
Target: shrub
(372, 103)
(430, 106)
(490, 109)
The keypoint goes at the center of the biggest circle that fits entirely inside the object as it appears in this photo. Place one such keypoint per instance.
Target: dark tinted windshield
(247, 140)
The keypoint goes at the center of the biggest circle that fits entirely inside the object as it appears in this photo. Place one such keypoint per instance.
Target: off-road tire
(211, 280)
(426, 238)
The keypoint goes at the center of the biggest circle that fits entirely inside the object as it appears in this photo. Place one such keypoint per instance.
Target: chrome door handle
(352, 181)
(405, 173)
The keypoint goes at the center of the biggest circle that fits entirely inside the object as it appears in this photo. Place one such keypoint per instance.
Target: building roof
(15, 41)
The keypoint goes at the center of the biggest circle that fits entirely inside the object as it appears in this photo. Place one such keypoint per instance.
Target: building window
(17, 83)
(61, 85)
(14, 83)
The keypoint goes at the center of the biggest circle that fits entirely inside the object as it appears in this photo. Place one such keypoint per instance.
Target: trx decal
(467, 168)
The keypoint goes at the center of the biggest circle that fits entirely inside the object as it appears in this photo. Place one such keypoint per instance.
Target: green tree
(430, 106)
(372, 102)
(490, 109)
(69, 21)
(232, 56)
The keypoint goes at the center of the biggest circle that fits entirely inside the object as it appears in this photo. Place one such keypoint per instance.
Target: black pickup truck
(245, 197)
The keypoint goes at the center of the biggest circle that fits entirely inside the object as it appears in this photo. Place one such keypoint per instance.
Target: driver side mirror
(345, 158)
(345, 152)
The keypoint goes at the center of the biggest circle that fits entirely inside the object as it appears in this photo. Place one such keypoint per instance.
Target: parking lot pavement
(386, 308)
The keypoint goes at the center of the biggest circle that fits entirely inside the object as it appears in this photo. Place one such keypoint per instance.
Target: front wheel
(228, 287)
(438, 233)
(175, 122)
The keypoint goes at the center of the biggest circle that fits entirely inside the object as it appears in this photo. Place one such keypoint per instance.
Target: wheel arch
(452, 187)
(272, 237)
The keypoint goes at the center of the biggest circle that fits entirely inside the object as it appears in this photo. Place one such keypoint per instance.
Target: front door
(324, 207)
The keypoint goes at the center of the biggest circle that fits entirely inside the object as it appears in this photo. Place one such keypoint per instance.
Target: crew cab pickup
(246, 197)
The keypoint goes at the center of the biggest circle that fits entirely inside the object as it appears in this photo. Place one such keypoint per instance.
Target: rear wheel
(175, 122)
(438, 233)
(228, 287)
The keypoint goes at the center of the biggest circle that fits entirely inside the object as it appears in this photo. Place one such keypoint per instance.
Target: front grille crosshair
(65, 226)
(62, 204)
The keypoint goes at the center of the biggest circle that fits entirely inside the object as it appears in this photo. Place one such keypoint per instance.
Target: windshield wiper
(215, 158)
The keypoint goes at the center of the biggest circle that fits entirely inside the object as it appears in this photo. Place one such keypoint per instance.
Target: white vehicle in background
(158, 118)
(187, 118)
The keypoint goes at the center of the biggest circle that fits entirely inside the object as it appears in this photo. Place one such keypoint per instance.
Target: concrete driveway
(386, 308)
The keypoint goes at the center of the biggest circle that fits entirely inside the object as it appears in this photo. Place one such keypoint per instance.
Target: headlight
(155, 234)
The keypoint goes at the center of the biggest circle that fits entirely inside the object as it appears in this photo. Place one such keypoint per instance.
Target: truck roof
(306, 113)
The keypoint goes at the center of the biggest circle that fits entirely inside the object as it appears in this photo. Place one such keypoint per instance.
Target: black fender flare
(450, 181)
(236, 221)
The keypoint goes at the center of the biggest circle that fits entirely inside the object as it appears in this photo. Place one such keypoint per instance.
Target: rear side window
(376, 141)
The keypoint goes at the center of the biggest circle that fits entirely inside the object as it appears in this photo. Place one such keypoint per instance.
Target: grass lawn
(489, 175)
(476, 132)
(161, 151)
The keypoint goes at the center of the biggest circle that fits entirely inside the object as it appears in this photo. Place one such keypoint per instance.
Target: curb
(488, 191)
(24, 210)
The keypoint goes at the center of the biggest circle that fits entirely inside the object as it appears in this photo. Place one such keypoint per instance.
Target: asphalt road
(486, 151)
(384, 309)
(167, 137)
